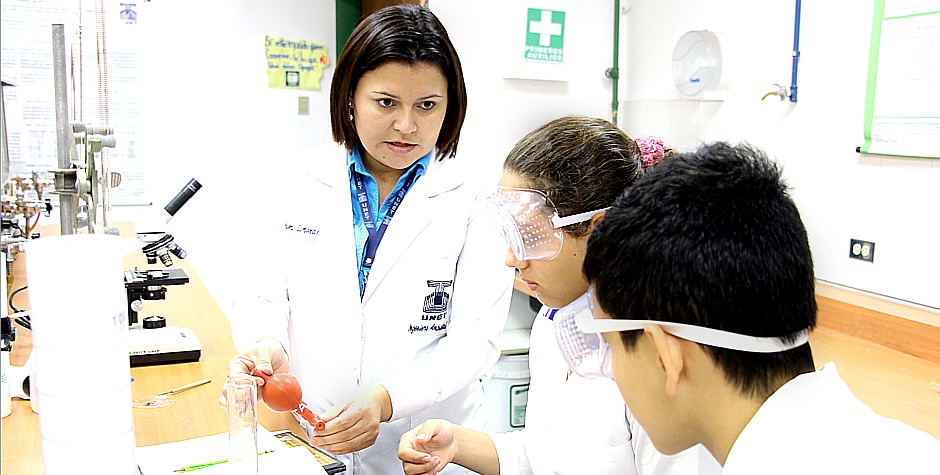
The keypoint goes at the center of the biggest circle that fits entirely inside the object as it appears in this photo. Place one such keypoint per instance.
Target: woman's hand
(355, 425)
(266, 355)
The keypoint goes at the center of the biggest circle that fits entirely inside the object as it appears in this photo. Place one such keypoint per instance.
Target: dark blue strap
(551, 314)
(375, 235)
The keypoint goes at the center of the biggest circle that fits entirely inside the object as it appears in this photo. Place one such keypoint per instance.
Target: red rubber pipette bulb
(282, 393)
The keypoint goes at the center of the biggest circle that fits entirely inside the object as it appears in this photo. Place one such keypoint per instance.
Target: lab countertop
(194, 413)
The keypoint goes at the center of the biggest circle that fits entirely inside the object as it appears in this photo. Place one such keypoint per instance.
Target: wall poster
(902, 100)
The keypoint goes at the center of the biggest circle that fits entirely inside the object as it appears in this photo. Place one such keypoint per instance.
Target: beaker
(241, 394)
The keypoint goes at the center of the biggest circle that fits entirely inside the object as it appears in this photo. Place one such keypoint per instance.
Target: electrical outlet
(303, 105)
(862, 250)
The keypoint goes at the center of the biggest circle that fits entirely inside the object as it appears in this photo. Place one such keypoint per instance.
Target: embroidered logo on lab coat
(435, 308)
(437, 301)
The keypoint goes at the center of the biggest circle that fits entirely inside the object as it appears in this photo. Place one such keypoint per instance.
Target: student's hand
(354, 425)
(428, 448)
(267, 355)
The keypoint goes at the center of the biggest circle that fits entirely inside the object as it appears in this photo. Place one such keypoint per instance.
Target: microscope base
(155, 346)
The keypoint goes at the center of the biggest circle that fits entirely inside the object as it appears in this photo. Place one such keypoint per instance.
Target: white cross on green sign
(545, 35)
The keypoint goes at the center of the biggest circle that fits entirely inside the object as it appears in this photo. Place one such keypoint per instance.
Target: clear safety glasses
(530, 223)
(579, 336)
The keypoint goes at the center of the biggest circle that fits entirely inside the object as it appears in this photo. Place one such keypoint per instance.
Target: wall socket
(862, 250)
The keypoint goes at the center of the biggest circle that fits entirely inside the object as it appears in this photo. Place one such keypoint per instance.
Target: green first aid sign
(545, 35)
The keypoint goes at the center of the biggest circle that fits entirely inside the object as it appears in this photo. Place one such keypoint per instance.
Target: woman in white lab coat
(384, 289)
(556, 184)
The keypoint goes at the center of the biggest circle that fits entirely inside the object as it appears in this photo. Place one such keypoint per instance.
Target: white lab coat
(814, 424)
(576, 425)
(429, 352)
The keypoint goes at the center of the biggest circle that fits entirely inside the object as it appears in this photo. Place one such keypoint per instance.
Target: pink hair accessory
(651, 149)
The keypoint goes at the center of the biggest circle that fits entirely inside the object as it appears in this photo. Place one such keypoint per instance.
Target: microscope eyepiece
(182, 197)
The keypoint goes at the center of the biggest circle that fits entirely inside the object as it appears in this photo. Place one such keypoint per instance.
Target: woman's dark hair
(404, 33)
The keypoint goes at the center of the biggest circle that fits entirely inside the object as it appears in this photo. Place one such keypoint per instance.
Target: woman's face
(398, 110)
(556, 282)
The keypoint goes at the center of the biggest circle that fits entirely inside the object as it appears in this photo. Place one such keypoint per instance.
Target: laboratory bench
(194, 413)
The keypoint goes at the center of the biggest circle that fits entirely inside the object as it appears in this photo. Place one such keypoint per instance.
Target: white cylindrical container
(6, 406)
(33, 384)
(18, 379)
(506, 391)
(79, 326)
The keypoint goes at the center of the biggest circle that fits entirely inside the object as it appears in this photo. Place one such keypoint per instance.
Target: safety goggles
(579, 336)
(529, 222)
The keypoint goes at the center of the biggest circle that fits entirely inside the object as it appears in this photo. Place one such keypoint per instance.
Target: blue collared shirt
(355, 164)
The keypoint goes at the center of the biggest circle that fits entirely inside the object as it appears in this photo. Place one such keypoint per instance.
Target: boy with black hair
(704, 294)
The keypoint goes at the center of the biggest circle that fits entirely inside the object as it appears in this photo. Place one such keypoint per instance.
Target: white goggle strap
(560, 222)
(704, 335)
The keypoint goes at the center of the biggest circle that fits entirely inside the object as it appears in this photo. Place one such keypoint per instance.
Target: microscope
(160, 245)
(151, 341)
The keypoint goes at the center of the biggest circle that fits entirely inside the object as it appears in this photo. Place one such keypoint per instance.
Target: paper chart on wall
(902, 103)
(30, 109)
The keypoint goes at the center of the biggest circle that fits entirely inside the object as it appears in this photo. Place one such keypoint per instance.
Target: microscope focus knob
(154, 321)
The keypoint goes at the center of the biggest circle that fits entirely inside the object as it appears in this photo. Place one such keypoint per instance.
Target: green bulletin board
(902, 100)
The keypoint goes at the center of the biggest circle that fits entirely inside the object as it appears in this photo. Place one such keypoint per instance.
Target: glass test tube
(242, 396)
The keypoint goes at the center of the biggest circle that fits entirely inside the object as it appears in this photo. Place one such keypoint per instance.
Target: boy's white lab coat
(436, 300)
(576, 425)
(813, 424)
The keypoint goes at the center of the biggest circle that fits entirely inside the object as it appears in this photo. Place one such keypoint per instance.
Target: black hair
(404, 33)
(711, 238)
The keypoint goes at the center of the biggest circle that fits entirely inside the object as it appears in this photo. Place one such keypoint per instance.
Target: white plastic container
(506, 391)
(79, 326)
(700, 65)
(6, 406)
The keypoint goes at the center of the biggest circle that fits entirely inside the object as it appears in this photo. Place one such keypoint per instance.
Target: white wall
(501, 111)
(219, 131)
(210, 115)
(841, 194)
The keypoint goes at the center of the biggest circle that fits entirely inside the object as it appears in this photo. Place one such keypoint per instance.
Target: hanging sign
(295, 64)
(540, 37)
(545, 36)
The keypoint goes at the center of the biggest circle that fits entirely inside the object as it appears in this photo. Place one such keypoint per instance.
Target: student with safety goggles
(580, 338)
(556, 184)
(703, 294)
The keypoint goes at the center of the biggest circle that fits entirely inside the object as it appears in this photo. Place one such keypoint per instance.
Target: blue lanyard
(551, 314)
(375, 235)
